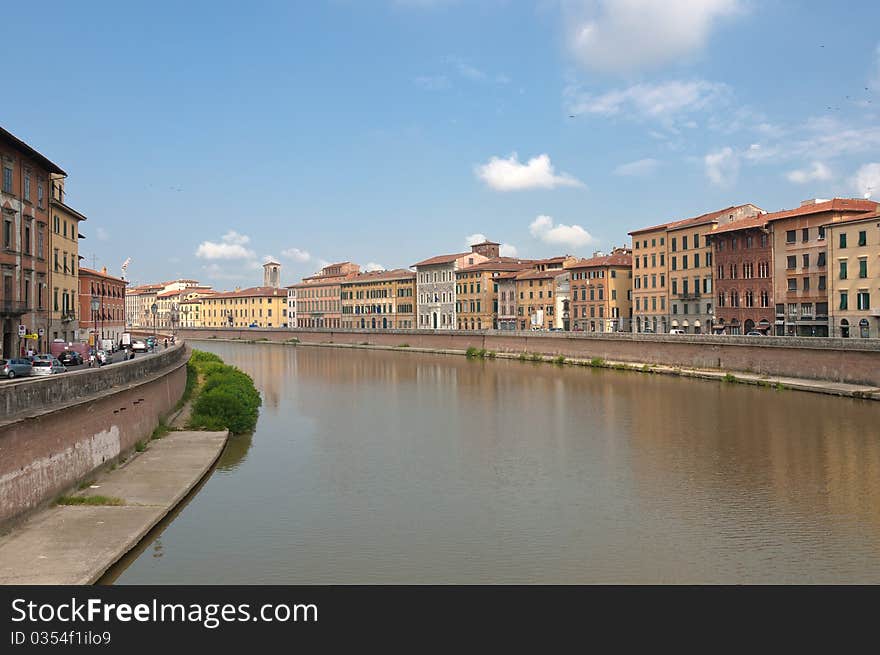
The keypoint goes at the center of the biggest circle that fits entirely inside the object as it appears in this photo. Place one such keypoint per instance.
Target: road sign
(41, 332)
(22, 330)
(31, 336)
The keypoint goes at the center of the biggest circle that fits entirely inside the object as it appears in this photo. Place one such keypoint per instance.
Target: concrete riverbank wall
(853, 361)
(57, 431)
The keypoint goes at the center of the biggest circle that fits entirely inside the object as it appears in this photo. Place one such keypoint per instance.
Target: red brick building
(24, 284)
(743, 254)
(108, 322)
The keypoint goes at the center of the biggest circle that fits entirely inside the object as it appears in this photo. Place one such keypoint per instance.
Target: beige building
(535, 298)
(317, 299)
(64, 239)
(477, 292)
(802, 264)
(601, 292)
(854, 276)
(650, 293)
(379, 300)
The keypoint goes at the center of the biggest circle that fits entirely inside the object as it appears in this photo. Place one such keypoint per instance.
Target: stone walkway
(76, 544)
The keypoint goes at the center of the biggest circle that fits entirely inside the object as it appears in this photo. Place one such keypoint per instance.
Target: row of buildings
(809, 271)
(45, 294)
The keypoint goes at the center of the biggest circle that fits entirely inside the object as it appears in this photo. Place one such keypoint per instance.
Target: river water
(400, 467)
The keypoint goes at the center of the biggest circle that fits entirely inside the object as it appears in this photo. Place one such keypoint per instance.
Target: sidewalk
(76, 544)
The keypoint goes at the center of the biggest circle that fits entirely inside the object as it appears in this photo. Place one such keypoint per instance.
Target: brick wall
(855, 361)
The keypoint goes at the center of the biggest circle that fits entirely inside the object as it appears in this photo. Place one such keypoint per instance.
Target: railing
(690, 295)
(14, 307)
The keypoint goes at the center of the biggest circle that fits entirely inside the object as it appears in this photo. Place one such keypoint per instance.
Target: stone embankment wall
(58, 430)
(855, 361)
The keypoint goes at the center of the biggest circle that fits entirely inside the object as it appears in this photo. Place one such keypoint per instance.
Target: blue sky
(201, 137)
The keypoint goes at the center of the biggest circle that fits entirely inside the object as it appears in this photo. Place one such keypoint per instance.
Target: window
(842, 270)
(674, 244)
(806, 284)
(805, 235)
(792, 284)
(863, 298)
(7, 234)
(806, 259)
(863, 268)
(844, 300)
(7, 179)
(792, 262)
(696, 260)
(674, 263)
(822, 284)
(843, 239)
(790, 236)
(820, 260)
(863, 238)
(27, 185)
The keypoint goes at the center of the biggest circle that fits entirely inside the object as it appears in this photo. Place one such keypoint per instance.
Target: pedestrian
(166, 342)
(91, 358)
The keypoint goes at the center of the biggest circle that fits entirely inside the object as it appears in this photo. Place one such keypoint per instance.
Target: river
(400, 467)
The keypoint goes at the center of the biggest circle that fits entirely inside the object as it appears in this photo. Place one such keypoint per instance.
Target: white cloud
(722, 166)
(433, 82)
(231, 246)
(867, 180)
(473, 239)
(629, 35)
(296, 255)
(504, 249)
(465, 69)
(661, 101)
(373, 266)
(508, 250)
(570, 236)
(817, 172)
(637, 168)
(510, 175)
(102, 234)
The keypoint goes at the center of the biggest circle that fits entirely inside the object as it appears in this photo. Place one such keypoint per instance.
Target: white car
(47, 367)
(676, 331)
(139, 346)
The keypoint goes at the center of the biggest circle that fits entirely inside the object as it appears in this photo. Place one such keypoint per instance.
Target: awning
(674, 323)
(697, 323)
(685, 324)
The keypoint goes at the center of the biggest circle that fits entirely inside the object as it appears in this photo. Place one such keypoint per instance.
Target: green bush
(227, 399)
(472, 352)
(523, 357)
(559, 360)
(728, 377)
(201, 357)
(537, 357)
(597, 362)
(491, 354)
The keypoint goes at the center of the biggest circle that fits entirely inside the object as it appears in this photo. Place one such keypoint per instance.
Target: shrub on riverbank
(227, 397)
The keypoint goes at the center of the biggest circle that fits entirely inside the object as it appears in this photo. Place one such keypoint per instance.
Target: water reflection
(376, 466)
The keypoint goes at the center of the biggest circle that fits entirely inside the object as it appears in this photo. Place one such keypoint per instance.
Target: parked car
(37, 358)
(15, 368)
(48, 367)
(70, 358)
(676, 331)
(139, 346)
(755, 333)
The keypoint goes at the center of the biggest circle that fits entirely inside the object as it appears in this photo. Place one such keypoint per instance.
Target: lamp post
(175, 316)
(154, 309)
(95, 304)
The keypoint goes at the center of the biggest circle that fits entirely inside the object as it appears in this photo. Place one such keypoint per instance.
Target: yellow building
(649, 279)
(854, 275)
(601, 292)
(476, 292)
(63, 265)
(254, 307)
(535, 298)
(379, 299)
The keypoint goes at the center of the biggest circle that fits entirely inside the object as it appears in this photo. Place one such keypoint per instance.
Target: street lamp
(95, 304)
(154, 309)
(175, 316)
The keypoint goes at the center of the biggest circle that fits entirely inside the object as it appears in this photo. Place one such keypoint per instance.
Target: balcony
(66, 317)
(13, 308)
(690, 295)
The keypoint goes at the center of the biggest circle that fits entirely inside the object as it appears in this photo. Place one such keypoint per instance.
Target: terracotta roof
(854, 218)
(375, 276)
(93, 273)
(835, 205)
(742, 224)
(486, 243)
(499, 264)
(551, 260)
(653, 228)
(603, 260)
(317, 280)
(538, 275)
(442, 259)
(15, 142)
(694, 221)
(168, 294)
(507, 275)
(248, 293)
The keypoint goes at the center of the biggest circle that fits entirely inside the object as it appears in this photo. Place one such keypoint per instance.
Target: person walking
(166, 342)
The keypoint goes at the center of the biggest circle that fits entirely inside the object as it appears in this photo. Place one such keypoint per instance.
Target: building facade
(535, 301)
(477, 299)
(601, 292)
(507, 319)
(801, 266)
(64, 236)
(25, 315)
(379, 300)
(108, 320)
(435, 285)
(649, 279)
(241, 308)
(743, 256)
(854, 276)
(318, 297)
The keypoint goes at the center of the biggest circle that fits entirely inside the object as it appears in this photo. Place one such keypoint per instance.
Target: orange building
(601, 292)
(319, 297)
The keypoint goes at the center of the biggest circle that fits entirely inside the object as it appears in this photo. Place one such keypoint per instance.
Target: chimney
(104, 270)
